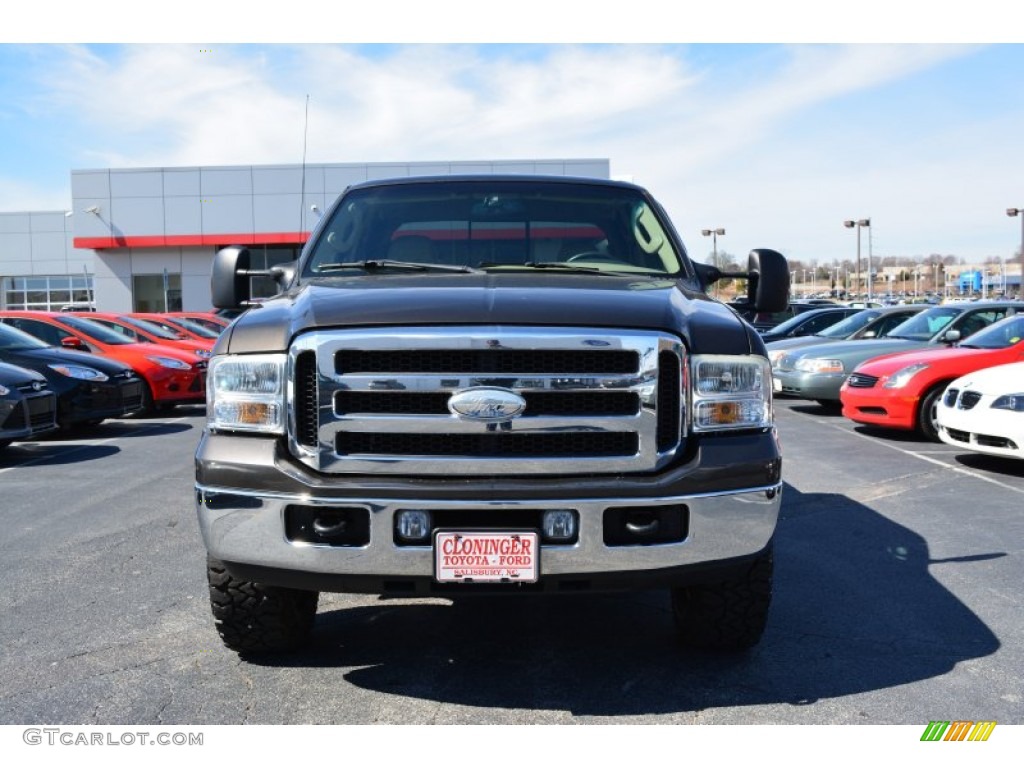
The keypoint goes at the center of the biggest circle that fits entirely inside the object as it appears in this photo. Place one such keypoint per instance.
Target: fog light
(559, 525)
(413, 525)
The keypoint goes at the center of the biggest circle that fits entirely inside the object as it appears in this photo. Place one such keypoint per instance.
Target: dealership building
(143, 239)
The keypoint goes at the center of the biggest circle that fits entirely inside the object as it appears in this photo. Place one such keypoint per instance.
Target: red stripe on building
(167, 241)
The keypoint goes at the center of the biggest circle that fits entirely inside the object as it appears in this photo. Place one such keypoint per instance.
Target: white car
(984, 411)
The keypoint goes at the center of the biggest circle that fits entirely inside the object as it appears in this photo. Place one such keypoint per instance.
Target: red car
(174, 375)
(146, 332)
(208, 320)
(902, 390)
(184, 328)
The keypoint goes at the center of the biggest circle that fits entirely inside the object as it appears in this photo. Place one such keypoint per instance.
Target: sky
(775, 132)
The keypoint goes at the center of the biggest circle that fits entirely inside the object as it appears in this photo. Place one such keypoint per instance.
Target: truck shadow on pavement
(855, 610)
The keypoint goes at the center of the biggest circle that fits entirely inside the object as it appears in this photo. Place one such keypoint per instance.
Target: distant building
(143, 239)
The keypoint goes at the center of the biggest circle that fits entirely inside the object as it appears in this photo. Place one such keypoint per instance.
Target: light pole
(850, 224)
(713, 234)
(1019, 212)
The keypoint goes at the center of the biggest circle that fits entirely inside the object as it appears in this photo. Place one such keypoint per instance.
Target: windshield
(12, 339)
(787, 325)
(850, 325)
(96, 331)
(151, 328)
(194, 327)
(998, 335)
(496, 225)
(923, 326)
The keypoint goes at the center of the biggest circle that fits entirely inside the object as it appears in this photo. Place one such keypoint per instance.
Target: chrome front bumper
(248, 528)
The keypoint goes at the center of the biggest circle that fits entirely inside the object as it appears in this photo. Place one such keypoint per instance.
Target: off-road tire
(728, 615)
(254, 618)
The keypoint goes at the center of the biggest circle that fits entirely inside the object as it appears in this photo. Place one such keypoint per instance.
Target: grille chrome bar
(599, 415)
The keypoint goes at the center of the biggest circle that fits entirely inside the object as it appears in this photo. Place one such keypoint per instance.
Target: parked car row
(953, 372)
(64, 370)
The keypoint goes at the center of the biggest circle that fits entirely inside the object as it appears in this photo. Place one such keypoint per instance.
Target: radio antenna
(302, 194)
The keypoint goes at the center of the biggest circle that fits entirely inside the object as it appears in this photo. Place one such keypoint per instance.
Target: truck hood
(435, 299)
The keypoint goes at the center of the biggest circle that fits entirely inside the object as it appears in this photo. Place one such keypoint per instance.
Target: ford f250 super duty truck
(499, 384)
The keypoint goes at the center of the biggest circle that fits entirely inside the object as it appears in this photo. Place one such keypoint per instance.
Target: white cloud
(717, 153)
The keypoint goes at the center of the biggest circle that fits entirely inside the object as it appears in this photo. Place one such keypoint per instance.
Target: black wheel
(254, 618)
(728, 615)
(928, 411)
(147, 401)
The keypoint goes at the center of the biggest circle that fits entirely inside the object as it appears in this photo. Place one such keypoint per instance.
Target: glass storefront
(264, 257)
(47, 293)
(156, 293)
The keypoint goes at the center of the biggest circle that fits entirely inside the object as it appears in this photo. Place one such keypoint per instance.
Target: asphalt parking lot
(898, 601)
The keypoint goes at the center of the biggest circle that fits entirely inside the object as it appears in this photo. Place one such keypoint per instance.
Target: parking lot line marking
(921, 455)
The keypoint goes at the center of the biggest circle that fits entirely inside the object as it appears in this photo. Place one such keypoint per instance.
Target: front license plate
(777, 384)
(477, 556)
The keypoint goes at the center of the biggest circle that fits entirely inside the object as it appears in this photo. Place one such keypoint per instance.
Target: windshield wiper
(374, 264)
(566, 266)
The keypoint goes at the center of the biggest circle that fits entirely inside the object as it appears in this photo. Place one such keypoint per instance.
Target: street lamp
(1019, 212)
(713, 234)
(850, 224)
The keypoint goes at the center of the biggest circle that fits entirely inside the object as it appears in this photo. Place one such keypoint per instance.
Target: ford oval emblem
(486, 404)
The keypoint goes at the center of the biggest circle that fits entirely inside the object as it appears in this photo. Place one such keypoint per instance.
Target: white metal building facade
(143, 239)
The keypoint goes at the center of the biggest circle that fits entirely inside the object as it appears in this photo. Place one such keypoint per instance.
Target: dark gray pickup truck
(490, 385)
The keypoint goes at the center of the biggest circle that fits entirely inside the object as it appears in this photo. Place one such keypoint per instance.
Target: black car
(27, 407)
(89, 388)
(765, 321)
(807, 323)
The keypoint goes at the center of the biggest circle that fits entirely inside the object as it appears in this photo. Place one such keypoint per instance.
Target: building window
(156, 293)
(264, 257)
(48, 293)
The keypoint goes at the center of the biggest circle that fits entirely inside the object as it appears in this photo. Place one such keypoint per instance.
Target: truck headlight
(731, 392)
(246, 392)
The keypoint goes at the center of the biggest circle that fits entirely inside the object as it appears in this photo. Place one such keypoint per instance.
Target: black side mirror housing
(767, 279)
(229, 280)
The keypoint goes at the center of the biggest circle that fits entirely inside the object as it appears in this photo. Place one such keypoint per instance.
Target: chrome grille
(377, 400)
